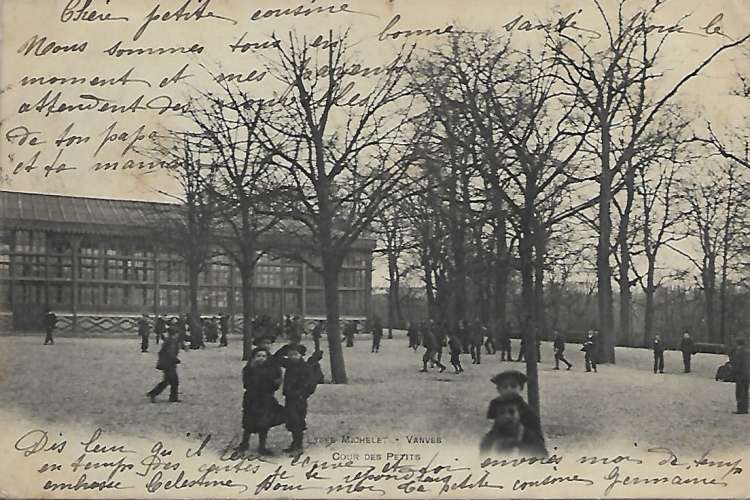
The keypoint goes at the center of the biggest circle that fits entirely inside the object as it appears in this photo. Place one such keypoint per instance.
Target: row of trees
(474, 163)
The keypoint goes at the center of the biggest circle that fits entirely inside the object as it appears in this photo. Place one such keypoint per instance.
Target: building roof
(80, 215)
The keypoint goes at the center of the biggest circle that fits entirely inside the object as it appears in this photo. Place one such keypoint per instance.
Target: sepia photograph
(375, 249)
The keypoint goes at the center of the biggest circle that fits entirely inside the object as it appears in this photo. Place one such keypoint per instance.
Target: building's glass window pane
(314, 279)
(293, 276)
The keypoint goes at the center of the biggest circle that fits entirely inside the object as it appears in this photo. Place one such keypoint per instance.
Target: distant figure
(476, 339)
(412, 335)
(317, 333)
(489, 343)
(559, 345)
(224, 327)
(377, 335)
(430, 350)
(295, 330)
(589, 349)
(506, 353)
(50, 322)
(167, 363)
(454, 345)
(160, 328)
(261, 378)
(349, 331)
(687, 346)
(522, 349)
(741, 364)
(658, 354)
(143, 332)
(212, 330)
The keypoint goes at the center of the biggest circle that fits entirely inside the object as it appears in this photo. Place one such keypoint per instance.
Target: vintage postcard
(374, 248)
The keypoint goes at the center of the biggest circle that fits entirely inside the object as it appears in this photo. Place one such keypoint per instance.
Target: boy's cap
(512, 374)
(508, 399)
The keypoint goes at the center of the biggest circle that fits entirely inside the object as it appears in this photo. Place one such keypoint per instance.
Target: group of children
(262, 377)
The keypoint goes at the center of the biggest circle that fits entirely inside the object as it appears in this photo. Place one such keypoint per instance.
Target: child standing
(658, 354)
(261, 378)
(589, 348)
(299, 384)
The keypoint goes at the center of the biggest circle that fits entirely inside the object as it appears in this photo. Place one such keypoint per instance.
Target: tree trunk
(331, 290)
(246, 276)
(502, 269)
(623, 245)
(603, 271)
(648, 322)
(709, 293)
(527, 317)
(195, 317)
(540, 251)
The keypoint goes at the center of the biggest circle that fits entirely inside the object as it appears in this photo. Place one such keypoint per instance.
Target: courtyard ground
(102, 382)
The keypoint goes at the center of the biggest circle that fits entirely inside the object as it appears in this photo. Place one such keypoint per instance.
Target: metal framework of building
(91, 262)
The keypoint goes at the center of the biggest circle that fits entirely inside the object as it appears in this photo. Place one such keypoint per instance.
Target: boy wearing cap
(454, 344)
(509, 435)
(589, 349)
(512, 382)
(299, 384)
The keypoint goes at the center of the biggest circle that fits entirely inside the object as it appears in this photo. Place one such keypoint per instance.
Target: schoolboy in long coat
(160, 328)
(687, 346)
(589, 349)
(430, 345)
(50, 321)
(454, 344)
(261, 378)
(299, 384)
(658, 354)
(559, 345)
(167, 363)
(143, 332)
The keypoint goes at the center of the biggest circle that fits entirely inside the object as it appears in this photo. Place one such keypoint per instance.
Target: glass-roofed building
(98, 266)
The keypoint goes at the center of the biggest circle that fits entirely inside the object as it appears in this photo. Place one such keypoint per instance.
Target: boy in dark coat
(377, 335)
(589, 349)
(300, 381)
(475, 342)
(167, 363)
(260, 411)
(430, 350)
(658, 354)
(454, 344)
(687, 346)
(160, 328)
(317, 332)
(224, 327)
(559, 345)
(50, 321)
(412, 335)
(741, 364)
(143, 332)
(509, 435)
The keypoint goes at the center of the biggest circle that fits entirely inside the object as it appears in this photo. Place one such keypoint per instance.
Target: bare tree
(188, 230)
(716, 218)
(227, 125)
(343, 154)
(610, 83)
